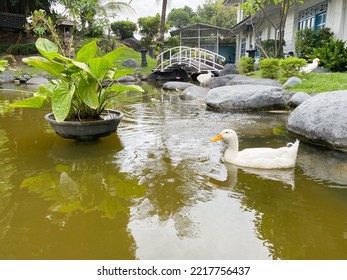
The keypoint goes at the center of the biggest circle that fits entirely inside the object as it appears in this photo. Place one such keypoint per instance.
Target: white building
(313, 14)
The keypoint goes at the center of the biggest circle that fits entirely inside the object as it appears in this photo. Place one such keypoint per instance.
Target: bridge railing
(200, 59)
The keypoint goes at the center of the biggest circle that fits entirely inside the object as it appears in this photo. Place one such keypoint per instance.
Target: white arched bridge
(192, 60)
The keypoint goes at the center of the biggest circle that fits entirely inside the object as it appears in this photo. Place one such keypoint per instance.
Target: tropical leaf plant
(82, 87)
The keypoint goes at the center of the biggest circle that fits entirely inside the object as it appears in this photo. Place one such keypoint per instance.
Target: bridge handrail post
(190, 57)
(170, 56)
(199, 61)
(180, 55)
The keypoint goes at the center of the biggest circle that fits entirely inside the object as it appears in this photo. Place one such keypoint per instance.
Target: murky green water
(157, 189)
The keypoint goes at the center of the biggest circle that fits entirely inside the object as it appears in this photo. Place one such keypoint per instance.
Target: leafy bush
(332, 55)
(23, 49)
(306, 40)
(124, 29)
(269, 68)
(246, 65)
(269, 46)
(3, 48)
(290, 67)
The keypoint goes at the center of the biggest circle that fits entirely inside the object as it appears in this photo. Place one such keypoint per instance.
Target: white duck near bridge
(205, 79)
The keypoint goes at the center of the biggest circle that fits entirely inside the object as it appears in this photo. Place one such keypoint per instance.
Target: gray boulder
(293, 81)
(220, 81)
(243, 80)
(298, 98)
(246, 98)
(321, 120)
(7, 76)
(37, 81)
(131, 63)
(133, 43)
(194, 93)
(228, 69)
(176, 85)
(126, 79)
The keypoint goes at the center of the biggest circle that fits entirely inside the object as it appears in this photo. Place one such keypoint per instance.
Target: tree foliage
(214, 12)
(181, 17)
(149, 29)
(124, 29)
(260, 8)
(92, 14)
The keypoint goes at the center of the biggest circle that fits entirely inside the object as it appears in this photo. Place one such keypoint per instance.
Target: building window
(314, 17)
(243, 47)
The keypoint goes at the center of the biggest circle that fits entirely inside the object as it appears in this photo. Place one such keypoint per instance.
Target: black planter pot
(87, 130)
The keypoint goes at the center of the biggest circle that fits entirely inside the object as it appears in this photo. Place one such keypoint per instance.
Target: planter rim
(87, 130)
(50, 118)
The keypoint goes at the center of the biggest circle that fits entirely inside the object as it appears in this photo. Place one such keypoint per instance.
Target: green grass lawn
(130, 53)
(321, 82)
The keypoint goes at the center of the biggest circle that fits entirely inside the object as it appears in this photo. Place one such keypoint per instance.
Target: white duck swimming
(310, 67)
(266, 158)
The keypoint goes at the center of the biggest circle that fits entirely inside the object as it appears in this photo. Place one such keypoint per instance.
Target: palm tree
(162, 20)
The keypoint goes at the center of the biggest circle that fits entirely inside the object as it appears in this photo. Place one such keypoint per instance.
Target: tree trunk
(162, 22)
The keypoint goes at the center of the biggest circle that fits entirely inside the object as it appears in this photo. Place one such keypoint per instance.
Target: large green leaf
(46, 47)
(85, 68)
(61, 100)
(31, 102)
(86, 90)
(124, 88)
(52, 68)
(87, 52)
(99, 67)
(112, 56)
(120, 73)
(3, 64)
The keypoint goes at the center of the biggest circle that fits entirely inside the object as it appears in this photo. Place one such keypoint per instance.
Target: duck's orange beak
(217, 138)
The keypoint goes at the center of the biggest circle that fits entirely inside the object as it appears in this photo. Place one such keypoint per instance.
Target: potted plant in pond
(80, 92)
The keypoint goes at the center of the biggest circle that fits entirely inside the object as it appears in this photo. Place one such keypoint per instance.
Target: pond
(157, 189)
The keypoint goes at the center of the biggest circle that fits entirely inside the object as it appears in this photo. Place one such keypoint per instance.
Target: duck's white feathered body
(266, 158)
(310, 67)
(205, 79)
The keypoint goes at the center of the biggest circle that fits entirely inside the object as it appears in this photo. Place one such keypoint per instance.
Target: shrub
(306, 40)
(290, 67)
(246, 65)
(23, 49)
(332, 55)
(3, 48)
(124, 29)
(269, 68)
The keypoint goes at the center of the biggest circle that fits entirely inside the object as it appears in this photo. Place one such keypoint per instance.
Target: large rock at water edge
(37, 81)
(244, 80)
(176, 85)
(321, 120)
(297, 99)
(194, 93)
(246, 98)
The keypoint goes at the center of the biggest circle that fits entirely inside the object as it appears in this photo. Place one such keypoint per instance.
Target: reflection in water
(323, 164)
(158, 190)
